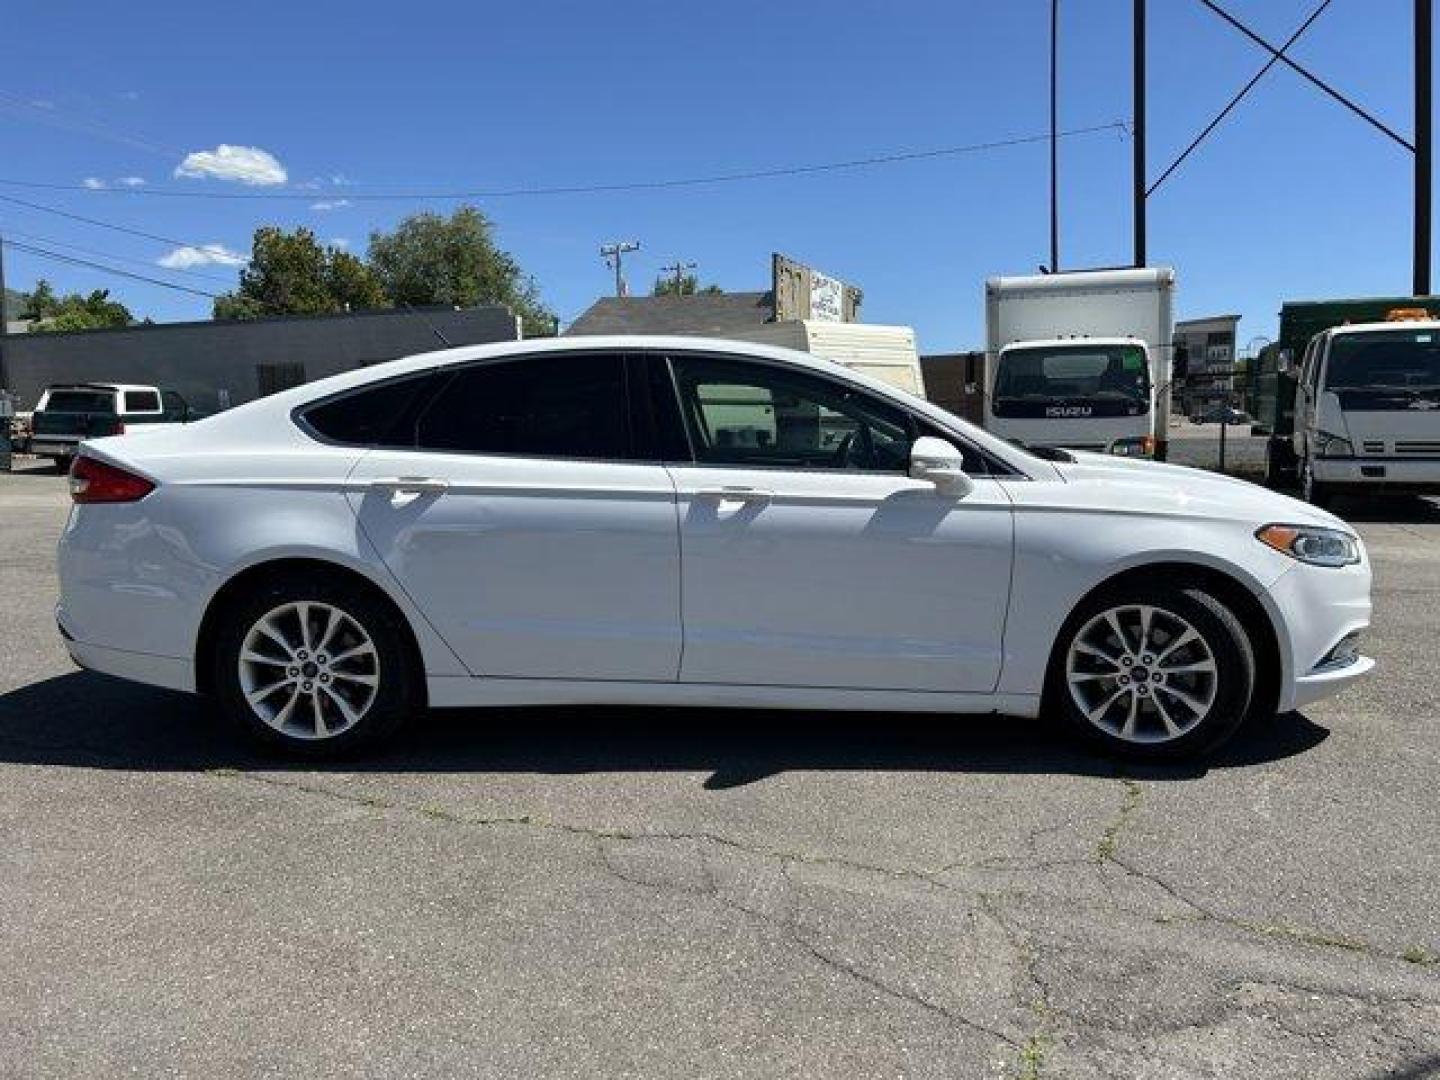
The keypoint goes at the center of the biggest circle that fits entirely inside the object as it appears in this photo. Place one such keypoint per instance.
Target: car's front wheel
(313, 667)
(1154, 672)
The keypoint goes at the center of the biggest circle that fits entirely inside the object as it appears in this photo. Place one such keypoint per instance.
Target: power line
(597, 189)
(43, 253)
(98, 223)
(1239, 96)
(52, 242)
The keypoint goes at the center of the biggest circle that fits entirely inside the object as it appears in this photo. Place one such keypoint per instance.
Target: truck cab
(1367, 408)
(1083, 393)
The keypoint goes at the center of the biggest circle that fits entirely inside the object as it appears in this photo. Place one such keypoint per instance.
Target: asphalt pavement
(647, 893)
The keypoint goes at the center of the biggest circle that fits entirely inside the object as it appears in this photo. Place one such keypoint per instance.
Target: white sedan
(676, 521)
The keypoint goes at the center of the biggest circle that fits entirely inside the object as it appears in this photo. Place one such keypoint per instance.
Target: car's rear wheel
(1154, 672)
(313, 667)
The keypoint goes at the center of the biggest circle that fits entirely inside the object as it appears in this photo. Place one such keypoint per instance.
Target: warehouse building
(218, 364)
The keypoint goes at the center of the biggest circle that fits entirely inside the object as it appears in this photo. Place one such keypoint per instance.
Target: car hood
(1129, 484)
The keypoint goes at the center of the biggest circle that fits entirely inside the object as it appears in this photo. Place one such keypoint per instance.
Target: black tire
(1280, 470)
(1311, 490)
(1233, 680)
(397, 695)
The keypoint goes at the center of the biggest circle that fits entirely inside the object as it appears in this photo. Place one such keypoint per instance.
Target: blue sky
(1292, 197)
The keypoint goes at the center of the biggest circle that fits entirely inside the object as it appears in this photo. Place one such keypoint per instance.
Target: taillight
(93, 481)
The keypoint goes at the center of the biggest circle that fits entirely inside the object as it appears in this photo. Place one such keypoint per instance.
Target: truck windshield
(1107, 380)
(80, 401)
(1385, 359)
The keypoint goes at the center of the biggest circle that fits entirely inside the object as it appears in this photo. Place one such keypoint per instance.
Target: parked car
(1222, 414)
(676, 521)
(69, 413)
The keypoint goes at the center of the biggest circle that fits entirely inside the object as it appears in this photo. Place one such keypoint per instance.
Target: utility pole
(614, 255)
(1423, 118)
(1054, 137)
(677, 270)
(7, 407)
(1138, 166)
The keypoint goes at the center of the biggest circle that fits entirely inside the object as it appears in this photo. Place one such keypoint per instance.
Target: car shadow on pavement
(1388, 510)
(90, 721)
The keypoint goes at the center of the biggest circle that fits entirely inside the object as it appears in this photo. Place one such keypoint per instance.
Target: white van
(887, 353)
(1367, 408)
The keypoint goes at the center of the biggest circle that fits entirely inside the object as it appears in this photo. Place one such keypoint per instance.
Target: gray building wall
(216, 364)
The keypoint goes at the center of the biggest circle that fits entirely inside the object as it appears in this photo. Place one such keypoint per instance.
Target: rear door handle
(411, 485)
(735, 494)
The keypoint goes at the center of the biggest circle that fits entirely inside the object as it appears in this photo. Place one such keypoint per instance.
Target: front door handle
(411, 485)
(736, 494)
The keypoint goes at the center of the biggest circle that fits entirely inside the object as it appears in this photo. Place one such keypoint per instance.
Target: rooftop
(709, 314)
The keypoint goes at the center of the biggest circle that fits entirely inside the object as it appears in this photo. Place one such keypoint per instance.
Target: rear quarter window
(379, 415)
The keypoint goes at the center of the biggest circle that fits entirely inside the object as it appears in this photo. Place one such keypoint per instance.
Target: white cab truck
(1367, 409)
(887, 353)
(1081, 360)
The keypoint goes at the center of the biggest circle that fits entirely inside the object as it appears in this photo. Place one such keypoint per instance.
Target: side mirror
(941, 464)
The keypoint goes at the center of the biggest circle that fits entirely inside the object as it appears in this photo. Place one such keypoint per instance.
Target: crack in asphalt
(1041, 1002)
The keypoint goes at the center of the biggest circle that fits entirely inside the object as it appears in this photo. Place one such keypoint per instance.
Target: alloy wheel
(309, 670)
(1142, 674)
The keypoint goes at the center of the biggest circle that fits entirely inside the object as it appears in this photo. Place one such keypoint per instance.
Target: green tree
(454, 261)
(74, 311)
(291, 273)
(688, 285)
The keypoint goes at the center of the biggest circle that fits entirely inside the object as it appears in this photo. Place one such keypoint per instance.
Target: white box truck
(1081, 360)
(887, 353)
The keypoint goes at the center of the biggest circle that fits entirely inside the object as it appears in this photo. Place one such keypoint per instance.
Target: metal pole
(1054, 137)
(7, 463)
(1423, 119)
(1138, 92)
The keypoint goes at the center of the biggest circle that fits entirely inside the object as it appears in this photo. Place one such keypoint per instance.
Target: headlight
(1333, 445)
(1139, 446)
(1311, 544)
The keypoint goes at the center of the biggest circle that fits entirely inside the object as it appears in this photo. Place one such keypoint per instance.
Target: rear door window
(558, 405)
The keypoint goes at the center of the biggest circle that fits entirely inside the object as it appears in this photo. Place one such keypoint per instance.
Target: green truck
(1272, 382)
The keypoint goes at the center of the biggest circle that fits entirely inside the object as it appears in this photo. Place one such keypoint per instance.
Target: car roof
(296, 397)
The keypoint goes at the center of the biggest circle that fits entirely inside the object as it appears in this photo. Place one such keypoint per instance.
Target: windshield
(1385, 359)
(80, 401)
(1105, 380)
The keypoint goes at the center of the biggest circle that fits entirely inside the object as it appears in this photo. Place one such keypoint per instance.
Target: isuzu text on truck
(1080, 360)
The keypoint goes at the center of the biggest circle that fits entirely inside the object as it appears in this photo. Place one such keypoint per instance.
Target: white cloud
(341, 242)
(183, 258)
(96, 183)
(244, 164)
(330, 204)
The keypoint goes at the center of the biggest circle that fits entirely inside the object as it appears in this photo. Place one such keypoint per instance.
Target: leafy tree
(74, 311)
(291, 273)
(454, 261)
(688, 285)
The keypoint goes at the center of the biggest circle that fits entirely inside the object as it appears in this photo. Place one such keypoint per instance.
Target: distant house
(706, 315)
